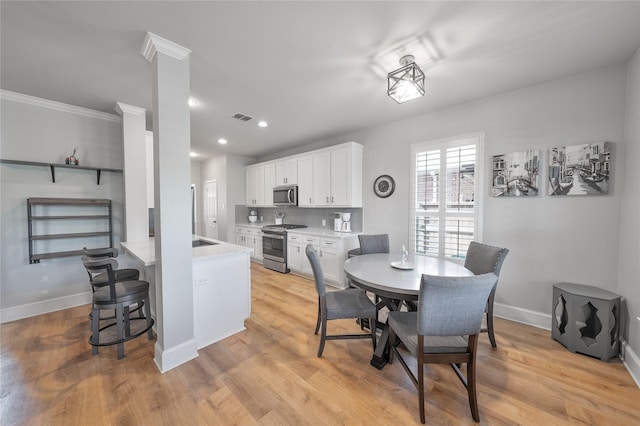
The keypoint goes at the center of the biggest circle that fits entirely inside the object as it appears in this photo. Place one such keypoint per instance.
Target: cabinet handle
(327, 200)
(309, 200)
(332, 199)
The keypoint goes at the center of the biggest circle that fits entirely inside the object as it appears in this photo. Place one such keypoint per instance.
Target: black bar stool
(118, 296)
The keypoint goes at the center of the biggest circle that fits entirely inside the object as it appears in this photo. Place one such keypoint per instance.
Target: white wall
(551, 239)
(228, 171)
(37, 130)
(629, 278)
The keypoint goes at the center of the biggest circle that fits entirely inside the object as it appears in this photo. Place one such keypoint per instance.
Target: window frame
(479, 187)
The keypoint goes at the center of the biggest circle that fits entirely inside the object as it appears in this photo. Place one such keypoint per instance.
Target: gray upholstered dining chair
(118, 296)
(343, 304)
(480, 259)
(376, 243)
(444, 329)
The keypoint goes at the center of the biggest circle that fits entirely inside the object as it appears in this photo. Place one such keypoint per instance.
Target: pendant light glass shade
(407, 82)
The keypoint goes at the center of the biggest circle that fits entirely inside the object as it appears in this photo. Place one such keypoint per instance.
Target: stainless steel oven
(274, 246)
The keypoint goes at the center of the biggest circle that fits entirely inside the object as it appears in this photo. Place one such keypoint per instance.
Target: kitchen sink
(202, 243)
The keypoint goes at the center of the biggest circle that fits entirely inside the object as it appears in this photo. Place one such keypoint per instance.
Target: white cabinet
(332, 252)
(255, 186)
(250, 237)
(305, 181)
(346, 176)
(269, 183)
(328, 177)
(322, 179)
(336, 177)
(260, 181)
(330, 258)
(295, 251)
(315, 242)
(287, 172)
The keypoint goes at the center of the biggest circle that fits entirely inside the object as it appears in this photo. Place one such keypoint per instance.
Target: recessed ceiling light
(194, 154)
(262, 123)
(222, 141)
(193, 102)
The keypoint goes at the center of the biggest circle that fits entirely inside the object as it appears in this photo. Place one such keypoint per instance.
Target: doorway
(211, 209)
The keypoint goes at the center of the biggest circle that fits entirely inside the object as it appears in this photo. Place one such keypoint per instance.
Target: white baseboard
(170, 358)
(27, 310)
(524, 316)
(631, 361)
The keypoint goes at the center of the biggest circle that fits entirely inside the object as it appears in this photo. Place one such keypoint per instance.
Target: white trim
(58, 106)
(154, 43)
(523, 316)
(631, 361)
(167, 359)
(13, 313)
(129, 109)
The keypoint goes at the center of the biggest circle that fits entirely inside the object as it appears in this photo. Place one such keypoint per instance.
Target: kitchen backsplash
(312, 217)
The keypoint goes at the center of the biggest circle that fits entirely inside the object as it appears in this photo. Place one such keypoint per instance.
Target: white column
(172, 179)
(136, 222)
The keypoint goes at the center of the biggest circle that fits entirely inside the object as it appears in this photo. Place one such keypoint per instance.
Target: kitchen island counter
(221, 285)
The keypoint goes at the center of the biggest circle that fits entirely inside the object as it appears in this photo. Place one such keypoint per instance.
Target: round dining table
(395, 282)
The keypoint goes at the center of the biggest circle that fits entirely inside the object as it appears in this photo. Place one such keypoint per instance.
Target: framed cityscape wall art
(516, 174)
(580, 169)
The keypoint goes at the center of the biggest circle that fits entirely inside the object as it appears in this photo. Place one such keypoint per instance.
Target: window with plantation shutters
(445, 194)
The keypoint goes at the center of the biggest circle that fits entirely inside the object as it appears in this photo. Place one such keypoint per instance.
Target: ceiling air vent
(242, 117)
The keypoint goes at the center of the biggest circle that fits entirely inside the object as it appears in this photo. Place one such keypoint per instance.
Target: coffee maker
(342, 222)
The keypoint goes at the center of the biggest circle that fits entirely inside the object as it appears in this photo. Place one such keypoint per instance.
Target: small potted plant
(72, 159)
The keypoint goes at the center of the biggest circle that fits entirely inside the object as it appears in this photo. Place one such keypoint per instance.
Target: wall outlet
(324, 222)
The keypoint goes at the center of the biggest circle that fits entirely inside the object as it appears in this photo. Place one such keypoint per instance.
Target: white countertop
(253, 225)
(323, 232)
(145, 251)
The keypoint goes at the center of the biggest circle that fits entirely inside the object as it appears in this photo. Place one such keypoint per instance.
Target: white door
(211, 208)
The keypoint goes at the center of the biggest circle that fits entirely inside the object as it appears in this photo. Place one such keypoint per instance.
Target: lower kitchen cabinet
(251, 237)
(332, 252)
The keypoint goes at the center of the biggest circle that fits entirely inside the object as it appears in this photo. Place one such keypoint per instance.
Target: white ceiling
(311, 69)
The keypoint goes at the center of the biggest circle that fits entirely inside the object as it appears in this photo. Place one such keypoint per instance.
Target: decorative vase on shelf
(72, 159)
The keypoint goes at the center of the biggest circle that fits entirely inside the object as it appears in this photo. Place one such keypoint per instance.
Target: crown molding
(58, 106)
(121, 109)
(154, 43)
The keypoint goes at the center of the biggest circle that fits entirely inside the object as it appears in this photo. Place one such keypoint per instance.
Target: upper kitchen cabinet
(287, 172)
(255, 186)
(269, 183)
(260, 180)
(328, 177)
(346, 176)
(337, 176)
(305, 181)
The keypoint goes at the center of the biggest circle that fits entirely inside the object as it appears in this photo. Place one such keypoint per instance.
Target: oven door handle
(274, 236)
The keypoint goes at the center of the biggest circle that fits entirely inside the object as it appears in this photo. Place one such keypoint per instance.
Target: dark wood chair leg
(471, 380)
(492, 337)
(318, 320)
(147, 311)
(119, 329)
(323, 336)
(127, 321)
(420, 378)
(95, 329)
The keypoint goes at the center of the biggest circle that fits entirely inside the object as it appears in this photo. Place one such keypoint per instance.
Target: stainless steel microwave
(285, 195)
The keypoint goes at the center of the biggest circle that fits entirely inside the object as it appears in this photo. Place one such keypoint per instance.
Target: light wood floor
(269, 374)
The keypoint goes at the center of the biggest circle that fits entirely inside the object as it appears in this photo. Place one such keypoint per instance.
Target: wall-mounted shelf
(53, 166)
(32, 203)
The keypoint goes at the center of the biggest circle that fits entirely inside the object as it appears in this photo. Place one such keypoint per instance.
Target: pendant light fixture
(407, 82)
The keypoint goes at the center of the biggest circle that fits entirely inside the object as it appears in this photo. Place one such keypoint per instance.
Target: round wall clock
(384, 186)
